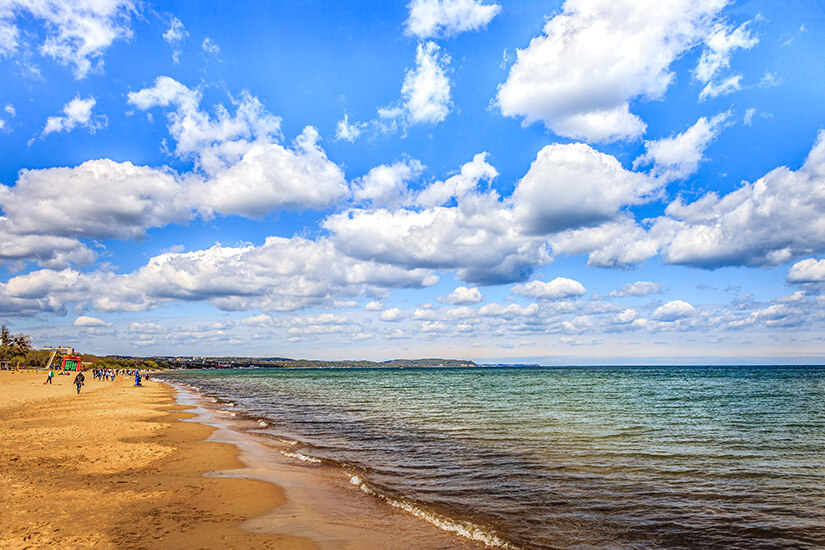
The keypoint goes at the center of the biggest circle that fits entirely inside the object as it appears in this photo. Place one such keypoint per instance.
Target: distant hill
(282, 362)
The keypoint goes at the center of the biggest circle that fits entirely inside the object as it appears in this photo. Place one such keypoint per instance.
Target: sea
(578, 457)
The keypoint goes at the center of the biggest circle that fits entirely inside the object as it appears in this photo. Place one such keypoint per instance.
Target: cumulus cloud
(558, 289)
(246, 171)
(774, 220)
(719, 47)
(459, 185)
(425, 98)
(679, 156)
(425, 93)
(76, 113)
(477, 237)
(674, 311)
(443, 18)
(66, 202)
(768, 222)
(619, 244)
(391, 315)
(573, 185)
(280, 275)
(463, 296)
(85, 321)
(639, 288)
(349, 131)
(509, 311)
(594, 58)
(77, 32)
(807, 271)
(51, 251)
(386, 185)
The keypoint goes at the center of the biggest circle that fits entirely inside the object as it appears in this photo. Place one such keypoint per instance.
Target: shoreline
(125, 467)
(323, 503)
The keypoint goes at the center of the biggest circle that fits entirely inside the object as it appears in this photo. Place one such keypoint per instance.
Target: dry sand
(115, 467)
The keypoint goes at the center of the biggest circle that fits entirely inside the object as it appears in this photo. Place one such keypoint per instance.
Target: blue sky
(556, 182)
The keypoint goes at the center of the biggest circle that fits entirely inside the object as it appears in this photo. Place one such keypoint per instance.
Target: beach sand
(115, 467)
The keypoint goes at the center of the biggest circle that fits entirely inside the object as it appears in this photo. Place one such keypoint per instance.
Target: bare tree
(21, 344)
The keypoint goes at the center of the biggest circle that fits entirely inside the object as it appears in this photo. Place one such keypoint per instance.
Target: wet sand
(117, 467)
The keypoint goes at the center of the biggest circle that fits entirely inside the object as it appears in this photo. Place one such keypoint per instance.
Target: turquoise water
(552, 458)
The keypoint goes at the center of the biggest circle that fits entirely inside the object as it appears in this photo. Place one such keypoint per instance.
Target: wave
(301, 457)
(462, 528)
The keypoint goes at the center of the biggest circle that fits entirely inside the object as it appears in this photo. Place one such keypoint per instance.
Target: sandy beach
(116, 467)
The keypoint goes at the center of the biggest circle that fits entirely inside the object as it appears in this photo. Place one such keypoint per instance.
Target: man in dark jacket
(78, 381)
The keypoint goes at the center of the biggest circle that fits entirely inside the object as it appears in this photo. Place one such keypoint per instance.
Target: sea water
(612, 457)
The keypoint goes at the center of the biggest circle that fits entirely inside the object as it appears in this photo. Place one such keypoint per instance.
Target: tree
(13, 345)
(21, 344)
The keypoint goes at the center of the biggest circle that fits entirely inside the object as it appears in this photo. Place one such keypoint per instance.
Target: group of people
(105, 374)
(100, 374)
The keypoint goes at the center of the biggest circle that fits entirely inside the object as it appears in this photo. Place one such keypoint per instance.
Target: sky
(577, 182)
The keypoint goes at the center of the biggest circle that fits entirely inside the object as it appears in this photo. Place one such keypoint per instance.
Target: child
(49, 377)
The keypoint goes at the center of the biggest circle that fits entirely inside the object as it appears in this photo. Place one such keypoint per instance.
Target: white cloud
(748, 119)
(580, 76)
(391, 315)
(639, 288)
(261, 320)
(769, 222)
(459, 185)
(443, 18)
(807, 271)
(209, 47)
(349, 132)
(76, 113)
(674, 311)
(84, 321)
(77, 32)
(463, 296)
(509, 311)
(558, 289)
(622, 243)
(723, 87)
(425, 94)
(386, 185)
(51, 251)
(573, 185)
(679, 156)
(175, 36)
(477, 237)
(280, 275)
(246, 171)
(269, 177)
(66, 202)
(719, 47)
(374, 305)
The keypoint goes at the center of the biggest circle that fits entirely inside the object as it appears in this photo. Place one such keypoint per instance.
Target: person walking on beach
(49, 377)
(137, 378)
(78, 381)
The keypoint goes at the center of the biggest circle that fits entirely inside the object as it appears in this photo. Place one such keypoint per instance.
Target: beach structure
(71, 362)
(65, 351)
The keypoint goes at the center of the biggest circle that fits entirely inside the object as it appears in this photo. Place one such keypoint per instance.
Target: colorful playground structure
(69, 361)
